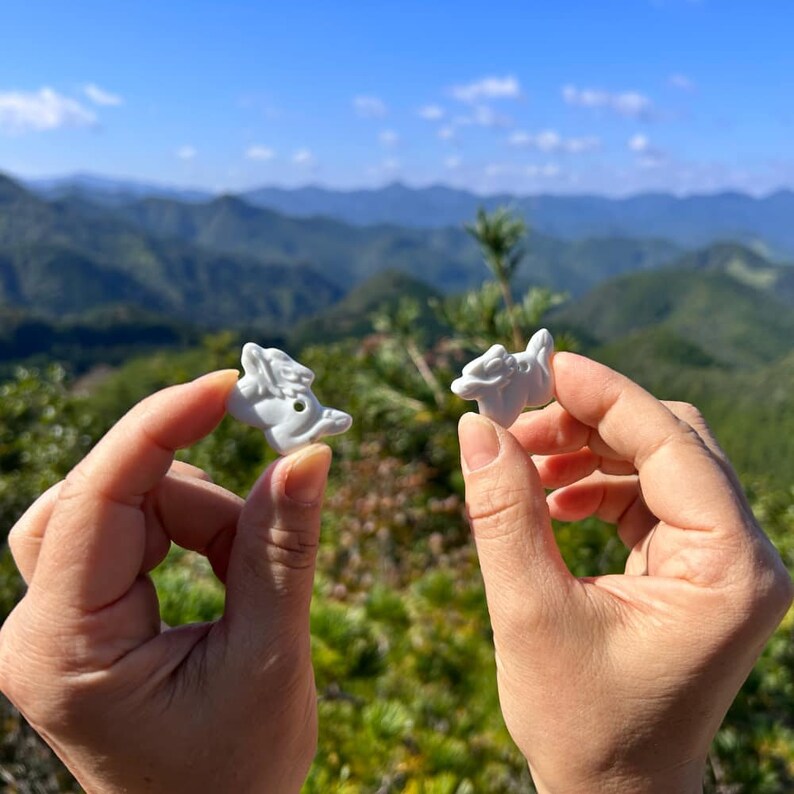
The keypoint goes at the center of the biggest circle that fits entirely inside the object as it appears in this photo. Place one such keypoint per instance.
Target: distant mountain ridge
(227, 263)
(109, 191)
(689, 221)
(446, 258)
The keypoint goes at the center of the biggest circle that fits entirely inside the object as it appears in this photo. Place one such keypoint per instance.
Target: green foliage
(754, 749)
(109, 336)
(499, 235)
(751, 411)
(407, 690)
(27, 765)
(44, 431)
(480, 319)
(187, 589)
(353, 315)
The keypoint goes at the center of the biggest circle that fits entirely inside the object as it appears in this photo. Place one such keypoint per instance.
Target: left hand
(128, 706)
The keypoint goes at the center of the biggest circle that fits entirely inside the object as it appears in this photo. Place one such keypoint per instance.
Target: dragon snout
(465, 388)
(338, 420)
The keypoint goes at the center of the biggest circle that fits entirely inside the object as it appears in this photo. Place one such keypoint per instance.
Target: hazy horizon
(108, 180)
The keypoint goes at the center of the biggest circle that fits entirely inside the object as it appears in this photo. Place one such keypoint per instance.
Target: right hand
(617, 683)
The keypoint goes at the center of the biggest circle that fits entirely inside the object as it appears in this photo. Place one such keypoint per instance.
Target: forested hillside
(146, 250)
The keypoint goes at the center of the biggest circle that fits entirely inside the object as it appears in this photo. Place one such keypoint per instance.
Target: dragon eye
(299, 406)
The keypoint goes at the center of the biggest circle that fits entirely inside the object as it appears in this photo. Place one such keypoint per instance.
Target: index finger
(94, 547)
(682, 482)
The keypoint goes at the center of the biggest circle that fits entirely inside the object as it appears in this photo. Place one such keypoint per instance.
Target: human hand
(617, 683)
(223, 706)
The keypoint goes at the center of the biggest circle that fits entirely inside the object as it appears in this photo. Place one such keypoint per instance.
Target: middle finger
(557, 471)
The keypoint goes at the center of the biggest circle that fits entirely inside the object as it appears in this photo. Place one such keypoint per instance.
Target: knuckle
(498, 509)
(75, 485)
(181, 468)
(762, 588)
(691, 415)
(774, 590)
(683, 410)
(288, 545)
(784, 592)
(682, 434)
(15, 537)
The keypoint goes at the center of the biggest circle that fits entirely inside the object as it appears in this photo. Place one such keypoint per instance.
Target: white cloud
(261, 153)
(630, 104)
(101, 97)
(485, 116)
(579, 145)
(521, 138)
(370, 107)
(639, 143)
(546, 171)
(453, 162)
(387, 168)
(548, 141)
(303, 157)
(552, 141)
(494, 169)
(648, 155)
(681, 82)
(511, 174)
(388, 138)
(651, 161)
(488, 88)
(482, 116)
(446, 133)
(431, 112)
(186, 153)
(45, 109)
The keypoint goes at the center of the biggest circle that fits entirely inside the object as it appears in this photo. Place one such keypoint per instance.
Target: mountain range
(227, 262)
(688, 221)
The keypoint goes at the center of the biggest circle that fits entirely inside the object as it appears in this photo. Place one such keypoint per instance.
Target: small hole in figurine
(299, 406)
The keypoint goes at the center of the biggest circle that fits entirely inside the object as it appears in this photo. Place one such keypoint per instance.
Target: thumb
(525, 576)
(271, 567)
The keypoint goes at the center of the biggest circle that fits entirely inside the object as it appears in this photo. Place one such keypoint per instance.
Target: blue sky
(604, 96)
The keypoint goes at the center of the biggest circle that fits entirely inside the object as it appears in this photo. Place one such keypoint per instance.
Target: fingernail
(479, 442)
(308, 473)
